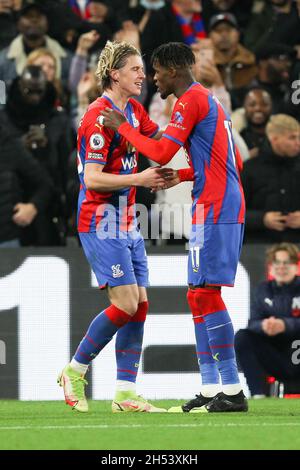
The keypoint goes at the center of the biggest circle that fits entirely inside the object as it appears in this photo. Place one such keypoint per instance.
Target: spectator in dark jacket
(30, 113)
(277, 21)
(271, 185)
(25, 190)
(32, 26)
(266, 346)
(275, 72)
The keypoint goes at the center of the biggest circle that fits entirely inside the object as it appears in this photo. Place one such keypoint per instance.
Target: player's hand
(112, 119)
(169, 176)
(24, 214)
(293, 220)
(151, 178)
(171, 179)
(275, 221)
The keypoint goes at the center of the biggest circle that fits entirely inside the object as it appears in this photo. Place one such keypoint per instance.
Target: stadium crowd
(247, 52)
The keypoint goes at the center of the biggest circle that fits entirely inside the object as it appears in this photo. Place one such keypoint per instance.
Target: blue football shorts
(116, 261)
(214, 252)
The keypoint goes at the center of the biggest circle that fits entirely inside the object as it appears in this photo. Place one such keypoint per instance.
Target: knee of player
(129, 305)
(190, 296)
(208, 300)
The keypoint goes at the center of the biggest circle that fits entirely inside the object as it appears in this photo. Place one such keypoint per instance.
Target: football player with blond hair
(112, 243)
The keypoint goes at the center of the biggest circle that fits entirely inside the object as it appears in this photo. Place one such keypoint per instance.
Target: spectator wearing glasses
(265, 347)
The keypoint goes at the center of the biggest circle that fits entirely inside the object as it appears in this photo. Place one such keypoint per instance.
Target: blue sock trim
(99, 334)
(221, 341)
(207, 365)
(129, 342)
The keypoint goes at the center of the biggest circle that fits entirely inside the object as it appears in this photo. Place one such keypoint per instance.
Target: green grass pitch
(269, 424)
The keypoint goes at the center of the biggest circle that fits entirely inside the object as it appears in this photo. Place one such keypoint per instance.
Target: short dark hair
(174, 54)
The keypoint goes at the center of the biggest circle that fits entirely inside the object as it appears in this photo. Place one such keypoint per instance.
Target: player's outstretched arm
(96, 179)
(160, 151)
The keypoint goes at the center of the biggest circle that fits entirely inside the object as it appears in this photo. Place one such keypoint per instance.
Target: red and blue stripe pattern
(192, 30)
(117, 157)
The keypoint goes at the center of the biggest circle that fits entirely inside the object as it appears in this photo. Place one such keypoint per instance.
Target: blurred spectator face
(224, 37)
(278, 69)
(223, 5)
(258, 107)
(47, 65)
(282, 268)
(33, 88)
(286, 144)
(33, 24)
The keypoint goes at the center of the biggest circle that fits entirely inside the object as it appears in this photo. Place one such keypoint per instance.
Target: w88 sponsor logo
(129, 162)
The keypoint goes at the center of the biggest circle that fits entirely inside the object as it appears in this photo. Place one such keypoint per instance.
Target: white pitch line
(140, 426)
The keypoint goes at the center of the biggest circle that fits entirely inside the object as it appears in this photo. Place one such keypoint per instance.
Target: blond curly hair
(113, 57)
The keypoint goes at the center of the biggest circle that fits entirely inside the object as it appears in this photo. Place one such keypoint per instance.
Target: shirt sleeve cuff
(185, 174)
